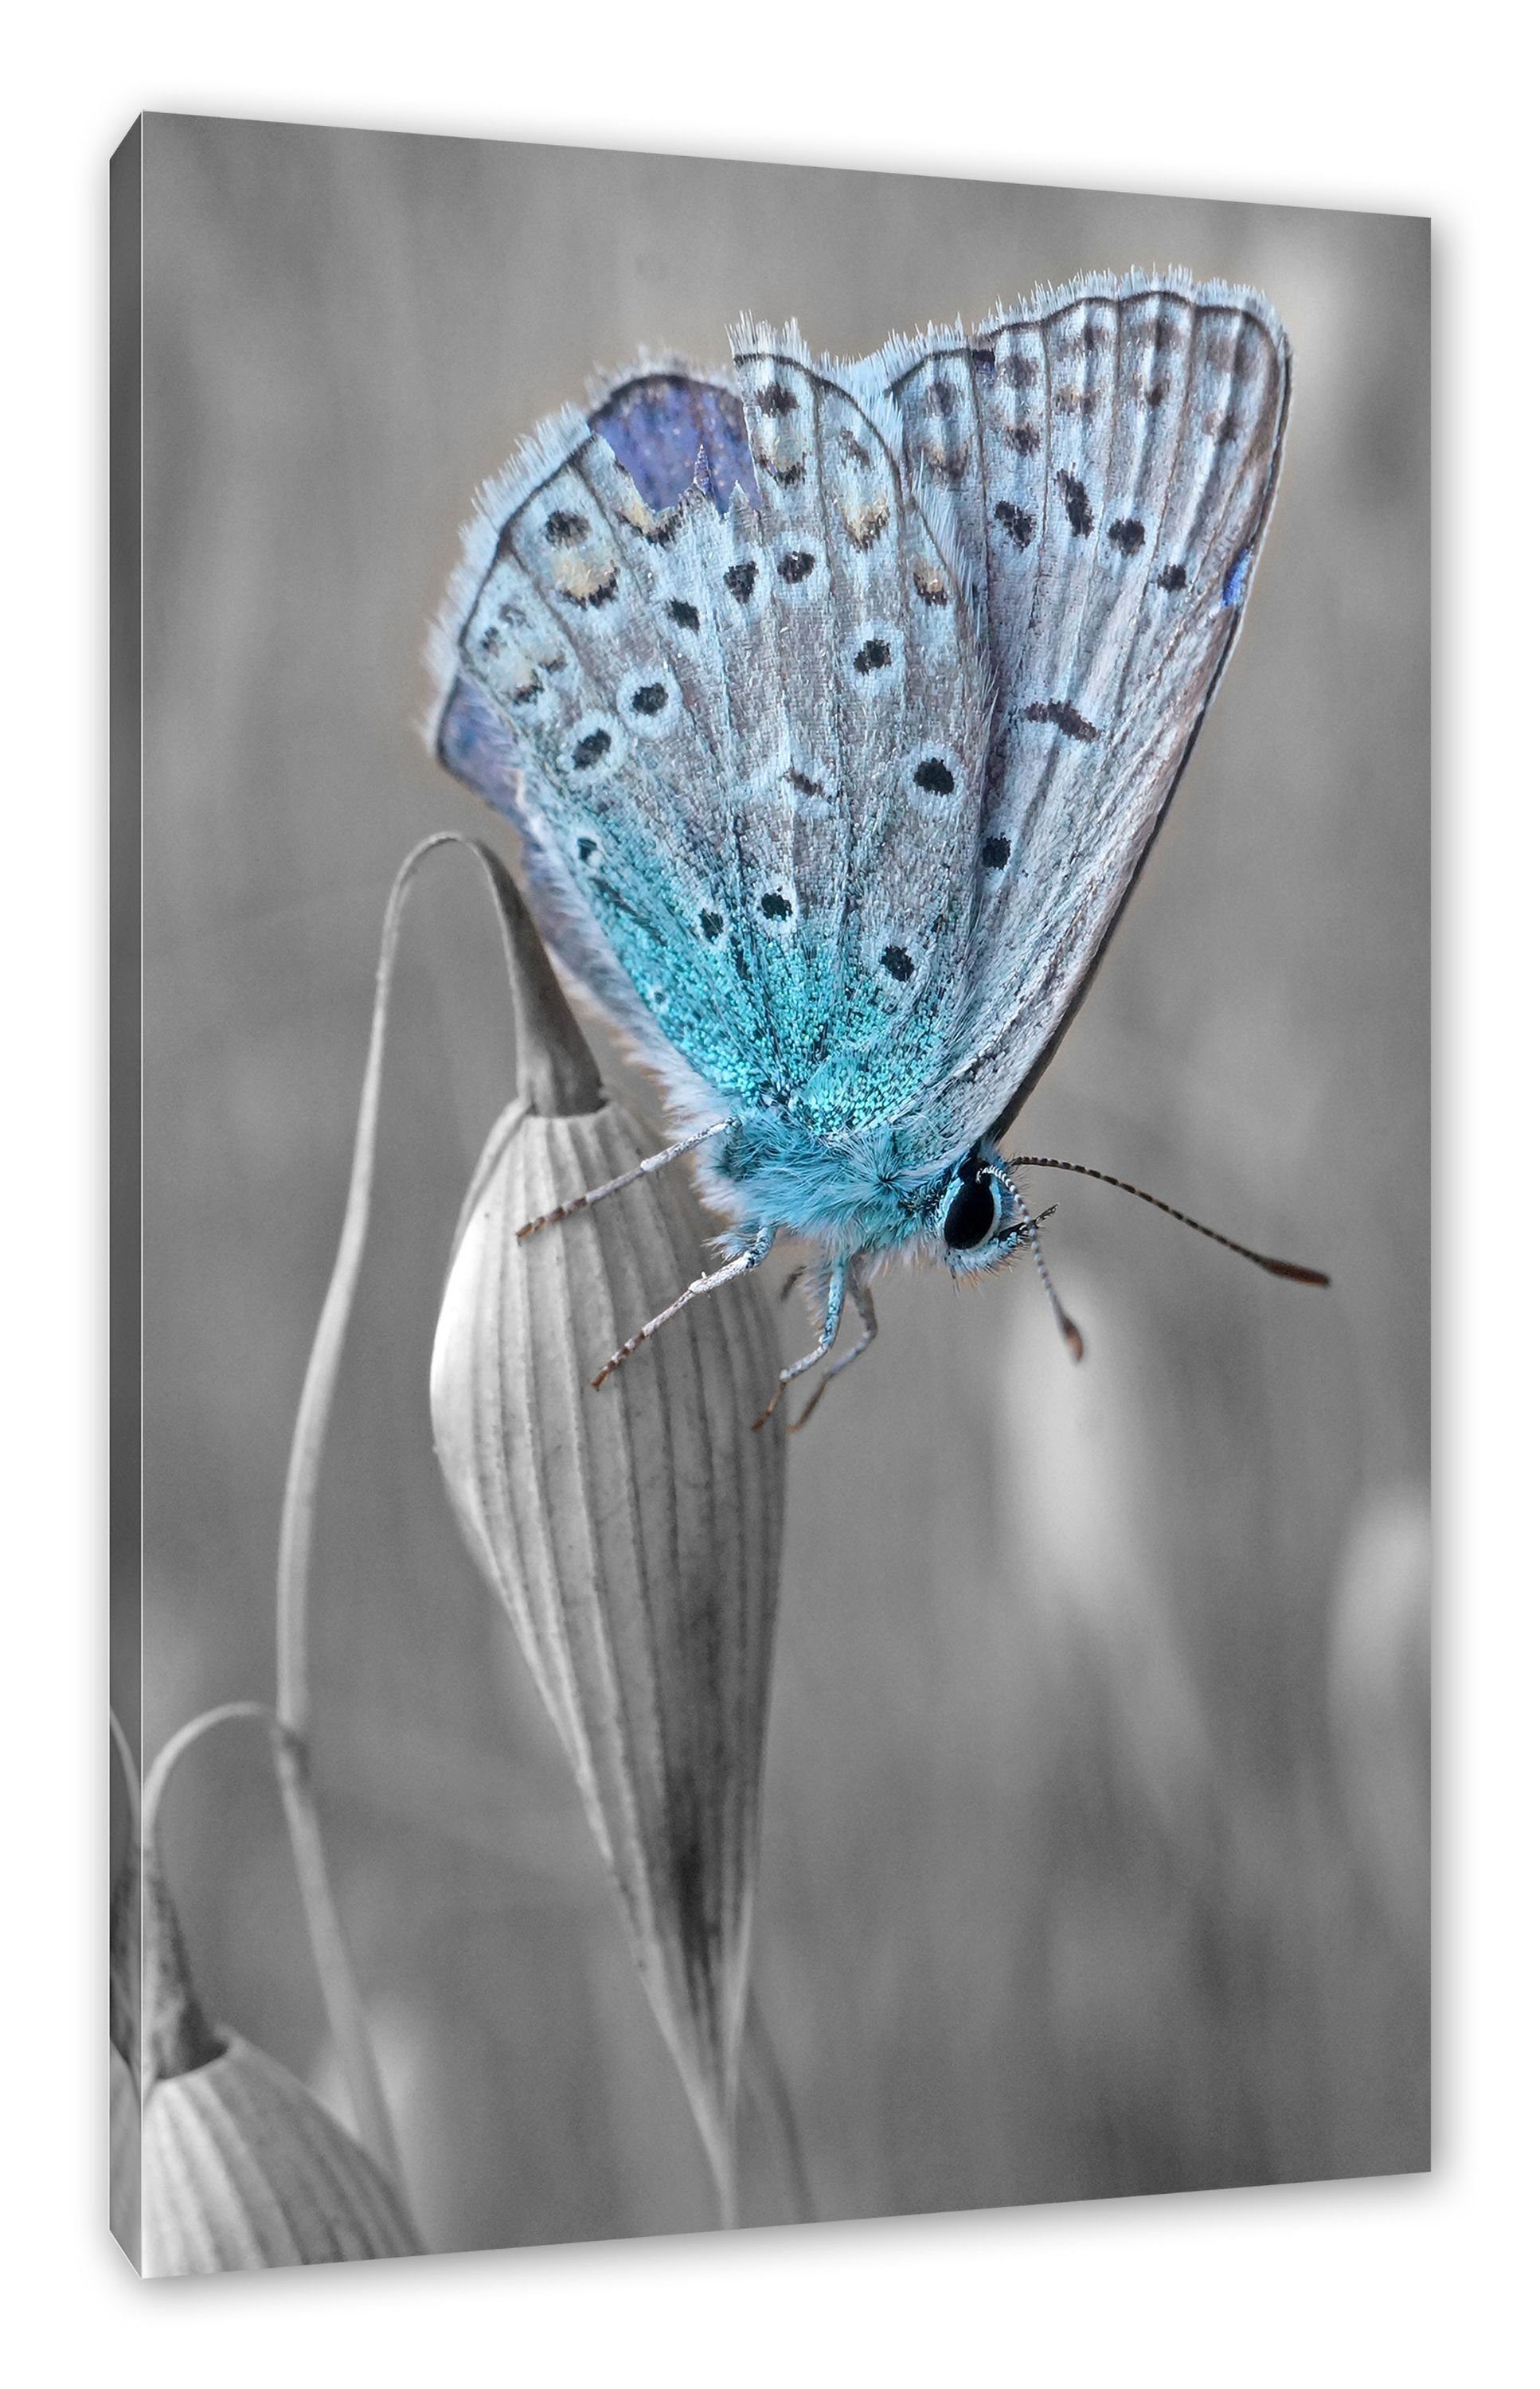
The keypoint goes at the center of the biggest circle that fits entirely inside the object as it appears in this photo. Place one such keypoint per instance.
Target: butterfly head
(978, 1218)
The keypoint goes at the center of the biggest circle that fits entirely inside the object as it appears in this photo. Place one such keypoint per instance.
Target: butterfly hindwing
(1104, 461)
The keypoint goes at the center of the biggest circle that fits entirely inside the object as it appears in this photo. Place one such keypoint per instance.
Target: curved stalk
(130, 1773)
(176, 2036)
(170, 1752)
(556, 1076)
(772, 2095)
(125, 1990)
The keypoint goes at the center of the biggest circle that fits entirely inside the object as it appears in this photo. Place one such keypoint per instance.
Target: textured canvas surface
(1094, 1826)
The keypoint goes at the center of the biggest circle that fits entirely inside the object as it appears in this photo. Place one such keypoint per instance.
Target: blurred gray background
(1096, 1845)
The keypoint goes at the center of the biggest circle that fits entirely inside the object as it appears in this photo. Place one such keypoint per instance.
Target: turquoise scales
(837, 708)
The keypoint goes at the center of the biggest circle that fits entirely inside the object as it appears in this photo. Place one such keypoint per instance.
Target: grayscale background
(1096, 1836)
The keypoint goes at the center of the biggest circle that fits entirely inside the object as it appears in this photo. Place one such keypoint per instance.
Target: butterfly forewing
(751, 743)
(886, 707)
(669, 425)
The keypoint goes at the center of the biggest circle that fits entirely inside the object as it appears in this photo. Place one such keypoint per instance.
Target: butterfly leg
(862, 1294)
(832, 1310)
(738, 1267)
(628, 1178)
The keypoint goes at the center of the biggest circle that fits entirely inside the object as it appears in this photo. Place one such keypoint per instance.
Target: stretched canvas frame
(1093, 1828)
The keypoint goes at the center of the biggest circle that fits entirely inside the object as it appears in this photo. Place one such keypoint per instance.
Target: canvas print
(735, 1602)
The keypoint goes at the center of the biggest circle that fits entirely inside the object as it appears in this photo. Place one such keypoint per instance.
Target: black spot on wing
(739, 580)
(712, 925)
(897, 962)
(934, 777)
(564, 528)
(651, 698)
(997, 853)
(591, 750)
(1173, 578)
(1016, 521)
(684, 614)
(1126, 536)
(1077, 505)
(775, 906)
(875, 656)
(796, 566)
(1063, 717)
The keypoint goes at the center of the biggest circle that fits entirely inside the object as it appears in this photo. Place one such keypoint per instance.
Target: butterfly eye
(972, 1214)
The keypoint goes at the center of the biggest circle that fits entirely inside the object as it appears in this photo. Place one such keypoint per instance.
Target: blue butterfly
(836, 706)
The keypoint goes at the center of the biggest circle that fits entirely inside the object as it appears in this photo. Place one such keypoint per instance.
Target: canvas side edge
(125, 1059)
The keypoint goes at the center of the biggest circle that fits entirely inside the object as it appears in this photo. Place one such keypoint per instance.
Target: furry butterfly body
(836, 706)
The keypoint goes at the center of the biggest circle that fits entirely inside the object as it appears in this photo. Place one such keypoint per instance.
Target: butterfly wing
(567, 670)
(1103, 461)
(668, 425)
(742, 747)
(873, 785)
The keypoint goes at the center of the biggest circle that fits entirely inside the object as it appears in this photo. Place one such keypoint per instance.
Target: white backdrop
(1402, 2276)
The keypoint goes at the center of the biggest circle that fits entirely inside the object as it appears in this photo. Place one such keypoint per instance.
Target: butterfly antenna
(1065, 1325)
(1292, 1269)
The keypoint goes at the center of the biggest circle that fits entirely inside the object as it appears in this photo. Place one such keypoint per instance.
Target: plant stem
(174, 2033)
(557, 1074)
(130, 1773)
(333, 1962)
(767, 2081)
(181, 1741)
(125, 1946)
(295, 1538)
(719, 2142)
